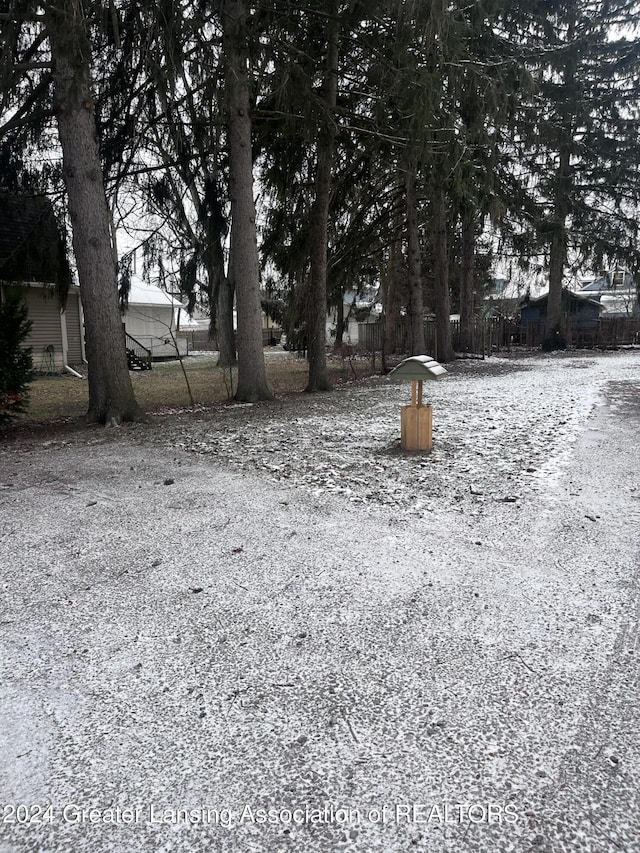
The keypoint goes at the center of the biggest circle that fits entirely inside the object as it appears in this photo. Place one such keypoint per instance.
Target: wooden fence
(606, 332)
(488, 335)
(200, 340)
(495, 334)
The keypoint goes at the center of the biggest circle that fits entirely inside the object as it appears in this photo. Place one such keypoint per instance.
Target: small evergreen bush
(16, 363)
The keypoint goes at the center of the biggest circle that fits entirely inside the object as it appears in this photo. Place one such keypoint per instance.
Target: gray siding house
(33, 263)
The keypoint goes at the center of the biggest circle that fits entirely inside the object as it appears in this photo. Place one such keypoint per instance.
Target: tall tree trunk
(224, 325)
(415, 308)
(467, 277)
(388, 331)
(340, 320)
(317, 304)
(252, 377)
(111, 397)
(441, 275)
(221, 291)
(553, 338)
(393, 284)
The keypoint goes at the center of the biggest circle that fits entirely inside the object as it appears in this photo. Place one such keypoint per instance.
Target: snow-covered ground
(503, 428)
(273, 607)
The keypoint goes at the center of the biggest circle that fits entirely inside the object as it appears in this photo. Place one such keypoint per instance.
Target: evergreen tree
(186, 188)
(483, 82)
(317, 306)
(252, 381)
(578, 142)
(308, 157)
(111, 397)
(47, 53)
(16, 362)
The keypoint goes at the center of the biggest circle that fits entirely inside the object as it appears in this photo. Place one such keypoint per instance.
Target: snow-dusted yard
(271, 607)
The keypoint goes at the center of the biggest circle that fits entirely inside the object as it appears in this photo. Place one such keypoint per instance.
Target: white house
(355, 310)
(156, 320)
(506, 291)
(617, 293)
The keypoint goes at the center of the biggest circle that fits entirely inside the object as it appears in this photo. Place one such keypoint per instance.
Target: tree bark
(221, 290)
(393, 283)
(340, 320)
(317, 304)
(111, 397)
(467, 277)
(553, 338)
(224, 322)
(441, 278)
(389, 314)
(415, 308)
(252, 377)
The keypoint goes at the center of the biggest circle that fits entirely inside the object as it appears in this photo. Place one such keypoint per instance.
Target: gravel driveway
(264, 628)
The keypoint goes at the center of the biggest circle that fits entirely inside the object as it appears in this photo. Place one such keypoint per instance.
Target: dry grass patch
(164, 387)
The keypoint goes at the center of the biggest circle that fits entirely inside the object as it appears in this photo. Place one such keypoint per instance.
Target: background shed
(579, 312)
(153, 318)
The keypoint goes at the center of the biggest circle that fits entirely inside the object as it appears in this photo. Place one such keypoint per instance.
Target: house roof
(595, 285)
(620, 304)
(517, 286)
(144, 293)
(30, 243)
(617, 293)
(615, 280)
(566, 293)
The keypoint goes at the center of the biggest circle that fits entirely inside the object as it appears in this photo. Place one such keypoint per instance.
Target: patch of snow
(273, 606)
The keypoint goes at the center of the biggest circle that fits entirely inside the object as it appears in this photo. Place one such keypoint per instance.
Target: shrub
(16, 363)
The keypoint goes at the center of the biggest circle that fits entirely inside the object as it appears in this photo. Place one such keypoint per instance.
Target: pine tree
(47, 53)
(180, 166)
(16, 362)
(578, 141)
(317, 305)
(252, 381)
(111, 398)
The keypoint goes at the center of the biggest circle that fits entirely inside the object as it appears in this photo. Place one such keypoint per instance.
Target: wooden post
(416, 421)
(416, 428)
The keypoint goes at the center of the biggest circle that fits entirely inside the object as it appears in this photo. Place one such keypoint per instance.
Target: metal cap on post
(416, 419)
